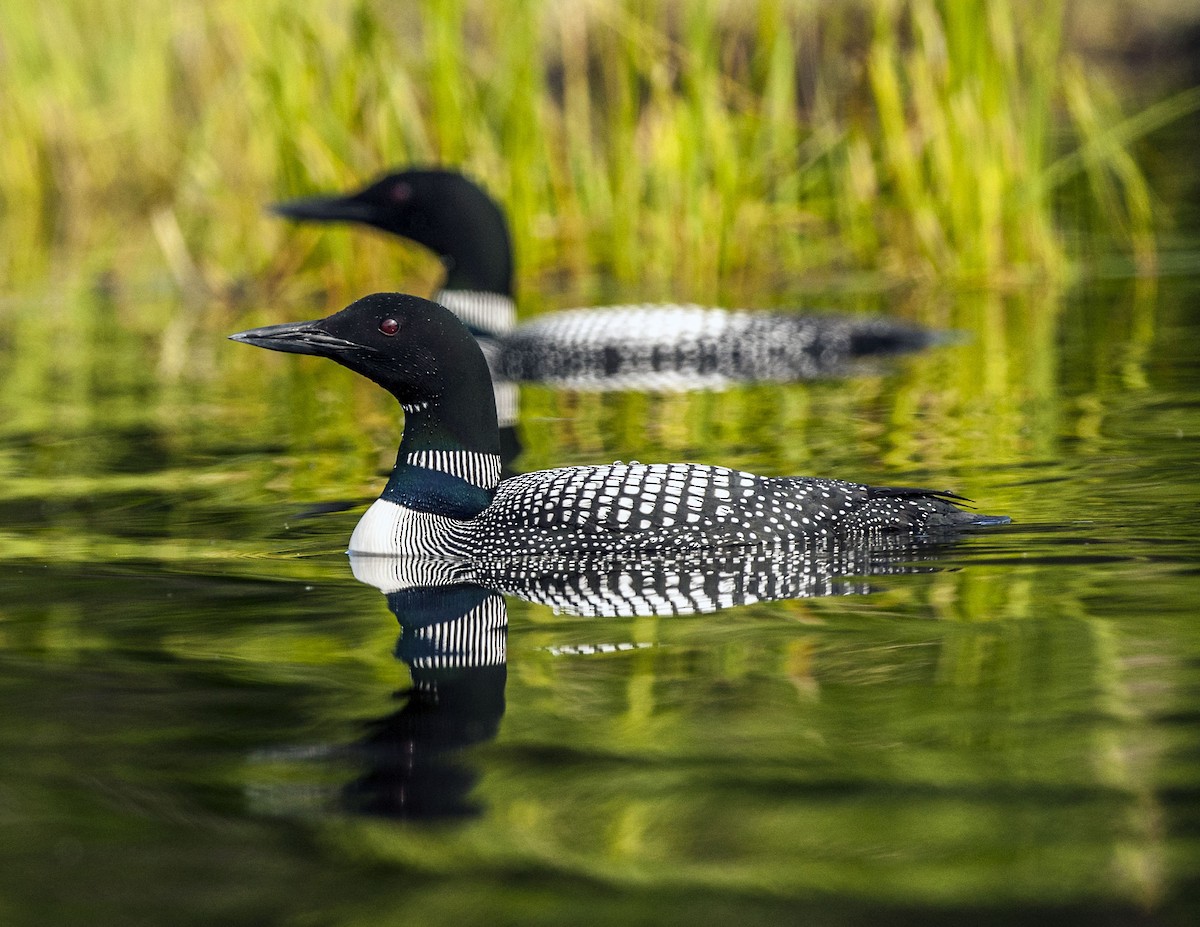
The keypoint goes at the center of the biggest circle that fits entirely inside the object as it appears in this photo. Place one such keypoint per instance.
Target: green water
(189, 671)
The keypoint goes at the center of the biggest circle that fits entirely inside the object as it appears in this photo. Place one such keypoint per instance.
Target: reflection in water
(453, 624)
(668, 584)
(452, 639)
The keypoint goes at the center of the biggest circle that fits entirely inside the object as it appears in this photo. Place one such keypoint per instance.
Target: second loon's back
(679, 347)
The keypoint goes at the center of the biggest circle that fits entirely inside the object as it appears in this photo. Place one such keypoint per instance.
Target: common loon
(444, 498)
(655, 347)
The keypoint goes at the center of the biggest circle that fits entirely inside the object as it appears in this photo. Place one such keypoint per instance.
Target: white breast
(388, 528)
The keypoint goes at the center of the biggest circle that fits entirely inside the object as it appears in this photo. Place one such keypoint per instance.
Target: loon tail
(958, 511)
(916, 492)
(881, 336)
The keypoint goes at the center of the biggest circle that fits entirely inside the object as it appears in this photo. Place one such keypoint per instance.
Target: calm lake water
(203, 718)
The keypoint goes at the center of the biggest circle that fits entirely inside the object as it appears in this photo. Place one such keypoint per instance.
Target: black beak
(297, 338)
(324, 209)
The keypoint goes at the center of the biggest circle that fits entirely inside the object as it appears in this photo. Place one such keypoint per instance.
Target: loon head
(416, 350)
(440, 209)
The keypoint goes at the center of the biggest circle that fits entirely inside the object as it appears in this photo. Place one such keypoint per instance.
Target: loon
(647, 346)
(444, 498)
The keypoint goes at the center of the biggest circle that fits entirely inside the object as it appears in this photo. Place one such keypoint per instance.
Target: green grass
(681, 145)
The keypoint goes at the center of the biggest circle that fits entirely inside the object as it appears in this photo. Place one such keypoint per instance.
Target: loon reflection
(453, 642)
(679, 583)
(453, 634)
(453, 622)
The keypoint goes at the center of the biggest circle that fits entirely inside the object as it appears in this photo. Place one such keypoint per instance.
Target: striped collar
(489, 313)
(482, 470)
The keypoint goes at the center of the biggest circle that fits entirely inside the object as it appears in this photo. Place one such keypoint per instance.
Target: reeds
(682, 145)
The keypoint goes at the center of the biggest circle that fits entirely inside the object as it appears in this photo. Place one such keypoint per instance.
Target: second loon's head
(416, 350)
(440, 209)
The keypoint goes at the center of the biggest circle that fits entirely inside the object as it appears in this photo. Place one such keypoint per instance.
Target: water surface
(205, 720)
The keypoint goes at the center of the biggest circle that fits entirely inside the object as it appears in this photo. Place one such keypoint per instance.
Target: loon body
(445, 499)
(667, 347)
(637, 508)
(684, 347)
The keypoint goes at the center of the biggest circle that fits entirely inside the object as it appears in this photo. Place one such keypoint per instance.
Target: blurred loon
(445, 499)
(664, 347)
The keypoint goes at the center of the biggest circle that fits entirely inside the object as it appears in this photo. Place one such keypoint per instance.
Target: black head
(417, 350)
(440, 209)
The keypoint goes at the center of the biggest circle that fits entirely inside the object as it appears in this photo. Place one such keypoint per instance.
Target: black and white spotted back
(683, 347)
(624, 507)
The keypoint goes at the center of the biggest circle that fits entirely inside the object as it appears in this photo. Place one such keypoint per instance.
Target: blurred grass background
(953, 163)
(681, 145)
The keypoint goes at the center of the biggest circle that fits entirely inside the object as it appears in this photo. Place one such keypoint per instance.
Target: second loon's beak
(324, 209)
(297, 338)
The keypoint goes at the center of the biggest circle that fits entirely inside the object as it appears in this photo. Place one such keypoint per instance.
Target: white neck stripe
(493, 313)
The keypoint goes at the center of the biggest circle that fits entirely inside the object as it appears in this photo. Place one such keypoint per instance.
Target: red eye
(389, 326)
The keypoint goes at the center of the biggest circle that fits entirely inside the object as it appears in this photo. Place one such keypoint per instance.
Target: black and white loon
(656, 347)
(445, 499)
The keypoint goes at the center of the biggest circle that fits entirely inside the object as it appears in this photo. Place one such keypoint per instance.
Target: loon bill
(445, 498)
